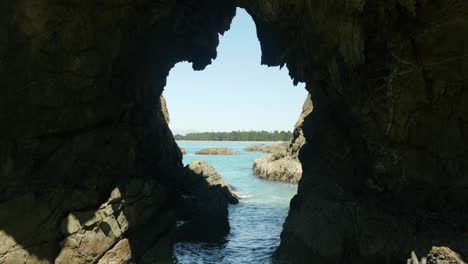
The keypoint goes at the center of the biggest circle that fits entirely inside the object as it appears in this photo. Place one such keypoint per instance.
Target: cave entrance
(258, 103)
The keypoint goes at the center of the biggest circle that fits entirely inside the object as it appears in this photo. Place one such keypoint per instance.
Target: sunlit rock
(282, 163)
(121, 253)
(216, 151)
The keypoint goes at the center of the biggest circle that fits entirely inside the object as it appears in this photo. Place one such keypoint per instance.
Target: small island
(216, 151)
(238, 136)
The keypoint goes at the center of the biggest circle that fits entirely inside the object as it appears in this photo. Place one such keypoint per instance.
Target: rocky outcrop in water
(216, 151)
(278, 166)
(267, 148)
(282, 164)
(204, 206)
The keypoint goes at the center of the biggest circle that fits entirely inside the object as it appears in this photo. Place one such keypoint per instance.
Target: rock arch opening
(244, 105)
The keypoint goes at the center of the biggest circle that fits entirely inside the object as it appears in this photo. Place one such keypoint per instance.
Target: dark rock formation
(201, 177)
(204, 205)
(282, 164)
(385, 164)
(216, 151)
(81, 118)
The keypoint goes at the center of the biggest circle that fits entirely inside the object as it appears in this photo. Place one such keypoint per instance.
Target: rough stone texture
(443, 255)
(121, 253)
(298, 139)
(200, 176)
(164, 109)
(278, 166)
(437, 255)
(385, 163)
(267, 148)
(216, 151)
(282, 164)
(204, 207)
(81, 116)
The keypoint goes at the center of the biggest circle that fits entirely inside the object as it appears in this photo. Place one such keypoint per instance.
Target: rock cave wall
(87, 161)
(385, 164)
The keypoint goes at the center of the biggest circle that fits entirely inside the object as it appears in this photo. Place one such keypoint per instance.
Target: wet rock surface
(204, 206)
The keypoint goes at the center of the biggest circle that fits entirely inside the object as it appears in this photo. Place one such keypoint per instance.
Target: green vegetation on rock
(238, 136)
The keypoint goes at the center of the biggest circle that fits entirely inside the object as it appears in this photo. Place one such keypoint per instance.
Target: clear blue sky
(235, 92)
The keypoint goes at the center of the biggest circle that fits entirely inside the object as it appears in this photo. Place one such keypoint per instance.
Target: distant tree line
(238, 136)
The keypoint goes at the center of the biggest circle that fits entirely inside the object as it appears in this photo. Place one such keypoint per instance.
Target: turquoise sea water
(256, 222)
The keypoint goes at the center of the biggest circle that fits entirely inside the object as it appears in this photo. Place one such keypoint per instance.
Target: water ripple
(256, 221)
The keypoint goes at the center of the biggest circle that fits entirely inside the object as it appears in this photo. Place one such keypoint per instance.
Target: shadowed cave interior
(88, 162)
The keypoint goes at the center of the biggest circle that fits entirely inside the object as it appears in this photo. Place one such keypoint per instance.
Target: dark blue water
(256, 221)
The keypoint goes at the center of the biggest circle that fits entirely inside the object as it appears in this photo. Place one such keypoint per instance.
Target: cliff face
(298, 139)
(87, 160)
(385, 164)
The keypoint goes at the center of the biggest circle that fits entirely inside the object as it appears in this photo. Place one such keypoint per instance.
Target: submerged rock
(204, 206)
(216, 151)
